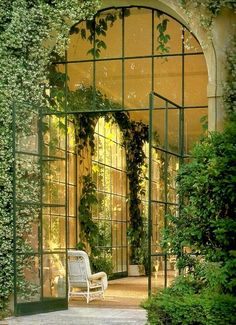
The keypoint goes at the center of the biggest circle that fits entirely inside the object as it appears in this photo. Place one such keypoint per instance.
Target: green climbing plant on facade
(31, 33)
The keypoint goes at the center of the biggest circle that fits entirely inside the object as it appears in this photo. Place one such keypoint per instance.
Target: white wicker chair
(81, 281)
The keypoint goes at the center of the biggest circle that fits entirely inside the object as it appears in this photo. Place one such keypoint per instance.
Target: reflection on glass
(173, 29)
(172, 270)
(72, 224)
(113, 45)
(27, 178)
(79, 43)
(195, 124)
(27, 221)
(54, 232)
(72, 201)
(168, 78)
(138, 35)
(158, 223)
(158, 274)
(173, 167)
(79, 77)
(159, 132)
(54, 276)
(195, 85)
(27, 140)
(54, 136)
(137, 83)
(109, 80)
(173, 130)
(27, 277)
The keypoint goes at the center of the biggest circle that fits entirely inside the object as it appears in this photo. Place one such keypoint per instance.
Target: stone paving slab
(83, 316)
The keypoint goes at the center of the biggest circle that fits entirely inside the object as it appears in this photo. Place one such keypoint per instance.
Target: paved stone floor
(83, 316)
(121, 306)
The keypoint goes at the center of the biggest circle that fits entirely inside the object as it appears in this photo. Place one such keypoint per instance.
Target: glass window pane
(109, 83)
(137, 83)
(79, 43)
(113, 37)
(72, 201)
(80, 78)
(27, 278)
(158, 216)
(194, 120)
(72, 222)
(138, 32)
(158, 276)
(27, 178)
(27, 140)
(27, 221)
(173, 29)
(172, 270)
(196, 79)
(173, 130)
(54, 232)
(54, 276)
(168, 78)
(173, 166)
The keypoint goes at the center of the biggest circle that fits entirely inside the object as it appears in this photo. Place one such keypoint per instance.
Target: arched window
(114, 63)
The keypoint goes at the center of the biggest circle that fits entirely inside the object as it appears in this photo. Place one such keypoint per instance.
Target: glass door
(165, 129)
(40, 212)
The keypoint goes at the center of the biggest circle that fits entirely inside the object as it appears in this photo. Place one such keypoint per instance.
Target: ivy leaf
(83, 33)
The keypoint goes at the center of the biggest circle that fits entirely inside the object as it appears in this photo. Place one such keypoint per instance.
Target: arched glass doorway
(123, 56)
(127, 53)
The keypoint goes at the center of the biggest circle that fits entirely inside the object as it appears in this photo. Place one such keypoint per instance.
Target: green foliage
(168, 308)
(206, 226)
(135, 134)
(194, 298)
(88, 228)
(101, 23)
(85, 99)
(206, 222)
(230, 85)
(89, 231)
(162, 38)
(102, 262)
(31, 32)
(208, 9)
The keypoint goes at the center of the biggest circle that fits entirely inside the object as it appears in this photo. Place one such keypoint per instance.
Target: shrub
(191, 309)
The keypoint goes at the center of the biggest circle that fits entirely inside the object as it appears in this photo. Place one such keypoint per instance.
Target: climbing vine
(207, 9)
(96, 29)
(135, 134)
(31, 32)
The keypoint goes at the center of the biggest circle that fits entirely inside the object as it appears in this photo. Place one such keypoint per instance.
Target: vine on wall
(30, 33)
(207, 9)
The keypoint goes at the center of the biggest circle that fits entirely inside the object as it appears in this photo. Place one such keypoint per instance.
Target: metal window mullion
(40, 148)
(94, 68)
(166, 145)
(151, 102)
(123, 60)
(118, 58)
(181, 121)
(66, 186)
